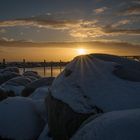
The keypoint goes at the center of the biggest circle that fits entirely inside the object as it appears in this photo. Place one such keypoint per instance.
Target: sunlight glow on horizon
(81, 51)
(57, 52)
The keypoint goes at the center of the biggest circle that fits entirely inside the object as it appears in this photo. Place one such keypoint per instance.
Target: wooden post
(60, 66)
(44, 67)
(51, 69)
(4, 63)
(24, 65)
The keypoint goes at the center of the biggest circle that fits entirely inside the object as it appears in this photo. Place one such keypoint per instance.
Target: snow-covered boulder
(127, 70)
(16, 85)
(41, 109)
(106, 81)
(32, 78)
(7, 75)
(32, 73)
(10, 69)
(116, 125)
(40, 93)
(30, 88)
(62, 120)
(92, 84)
(39, 96)
(19, 119)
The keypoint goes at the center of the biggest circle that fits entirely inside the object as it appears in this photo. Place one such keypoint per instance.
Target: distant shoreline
(33, 64)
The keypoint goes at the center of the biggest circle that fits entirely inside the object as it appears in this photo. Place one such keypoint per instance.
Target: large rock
(43, 82)
(32, 73)
(19, 119)
(40, 93)
(10, 69)
(7, 75)
(62, 120)
(89, 85)
(5, 94)
(106, 81)
(116, 125)
(16, 85)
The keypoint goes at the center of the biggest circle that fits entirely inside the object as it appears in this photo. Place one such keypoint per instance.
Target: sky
(58, 29)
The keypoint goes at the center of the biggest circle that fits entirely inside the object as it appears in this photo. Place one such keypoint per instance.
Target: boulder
(115, 125)
(30, 88)
(16, 85)
(32, 78)
(40, 93)
(19, 119)
(62, 120)
(106, 81)
(10, 69)
(32, 73)
(7, 76)
(91, 84)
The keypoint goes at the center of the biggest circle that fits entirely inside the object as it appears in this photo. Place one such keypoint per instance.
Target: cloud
(2, 31)
(136, 1)
(131, 10)
(92, 44)
(7, 39)
(116, 28)
(38, 23)
(44, 23)
(80, 28)
(111, 30)
(122, 22)
(100, 10)
(87, 32)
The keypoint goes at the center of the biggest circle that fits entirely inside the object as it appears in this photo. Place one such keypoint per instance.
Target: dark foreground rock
(7, 76)
(5, 94)
(62, 120)
(30, 88)
(98, 80)
(32, 73)
(20, 119)
(10, 69)
(2, 95)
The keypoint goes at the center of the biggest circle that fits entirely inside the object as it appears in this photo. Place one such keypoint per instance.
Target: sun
(81, 51)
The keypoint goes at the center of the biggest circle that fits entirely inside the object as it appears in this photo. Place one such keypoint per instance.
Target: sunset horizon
(56, 51)
(54, 30)
(69, 69)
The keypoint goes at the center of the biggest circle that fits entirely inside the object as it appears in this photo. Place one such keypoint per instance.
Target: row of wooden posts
(44, 66)
(60, 67)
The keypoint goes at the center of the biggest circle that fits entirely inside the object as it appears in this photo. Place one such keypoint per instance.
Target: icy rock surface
(16, 85)
(116, 125)
(42, 82)
(94, 80)
(19, 119)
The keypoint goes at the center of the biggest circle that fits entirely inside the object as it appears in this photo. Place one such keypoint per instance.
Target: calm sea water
(46, 73)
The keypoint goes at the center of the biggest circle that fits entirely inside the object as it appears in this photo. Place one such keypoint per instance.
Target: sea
(44, 72)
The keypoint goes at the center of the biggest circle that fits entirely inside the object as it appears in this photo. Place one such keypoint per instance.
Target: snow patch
(19, 119)
(116, 125)
(91, 83)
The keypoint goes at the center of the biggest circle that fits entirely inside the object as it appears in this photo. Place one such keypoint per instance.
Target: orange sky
(62, 51)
